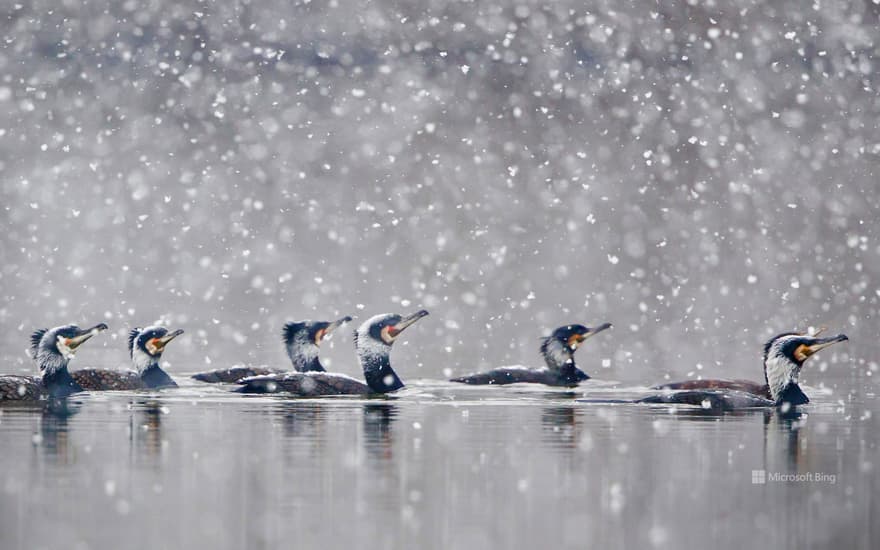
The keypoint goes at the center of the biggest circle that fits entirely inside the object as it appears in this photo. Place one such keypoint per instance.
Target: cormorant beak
(589, 334)
(83, 335)
(394, 330)
(803, 351)
(160, 343)
(326, 331)
(596, 330)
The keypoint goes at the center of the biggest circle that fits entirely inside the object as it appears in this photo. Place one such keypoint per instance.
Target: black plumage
(373, 341)
(145, 347)
(784, 355)
(302, 342)
(52, 349)
(558, 352)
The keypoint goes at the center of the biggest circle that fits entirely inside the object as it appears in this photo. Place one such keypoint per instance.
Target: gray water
(437, 465)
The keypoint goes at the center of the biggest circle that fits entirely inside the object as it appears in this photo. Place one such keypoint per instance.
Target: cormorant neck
(793, 395)
(307, 363)
(51, 363)
(376, 362)
(155, 377)
(558, 356)
(569, 373)
(780, 372)
(143, 361)
(59, 383)
(304, 355)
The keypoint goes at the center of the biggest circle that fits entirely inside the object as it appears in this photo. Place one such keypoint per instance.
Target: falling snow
(701, 175)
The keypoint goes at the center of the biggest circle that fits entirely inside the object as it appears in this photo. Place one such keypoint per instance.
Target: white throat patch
(302, 350)
(556, 355)
(66, 351)
(368, 348)
(142, 360)
(780, 370)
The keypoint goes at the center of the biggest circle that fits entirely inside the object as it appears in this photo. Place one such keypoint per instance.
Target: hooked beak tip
(596, 330)
(331, 327)
(832, 339)
(340, 322)
(407, 321)
(162, 342)
(84, 335)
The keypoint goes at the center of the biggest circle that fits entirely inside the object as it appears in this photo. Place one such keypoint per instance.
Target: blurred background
(702, 176)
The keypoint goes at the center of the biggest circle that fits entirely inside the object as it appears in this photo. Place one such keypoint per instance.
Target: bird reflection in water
(305, 426)
(145, 427)
(561, 425)
(378, 434)
(303, 420)
(786, 448)
(54, 436)
(785, 442)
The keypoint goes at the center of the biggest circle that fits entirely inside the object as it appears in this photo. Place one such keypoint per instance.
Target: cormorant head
(558, 348)
(302, 339)
(145, 345)
(53, 348)
(383, 329)
(784, 355)
(310, 333)
(373, 340)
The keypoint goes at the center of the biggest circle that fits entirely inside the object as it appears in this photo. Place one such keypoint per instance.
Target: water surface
(439, 465)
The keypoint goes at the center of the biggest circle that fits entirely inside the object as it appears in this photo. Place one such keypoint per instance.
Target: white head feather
(368, 346)
(780, 369)
(139, 357)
